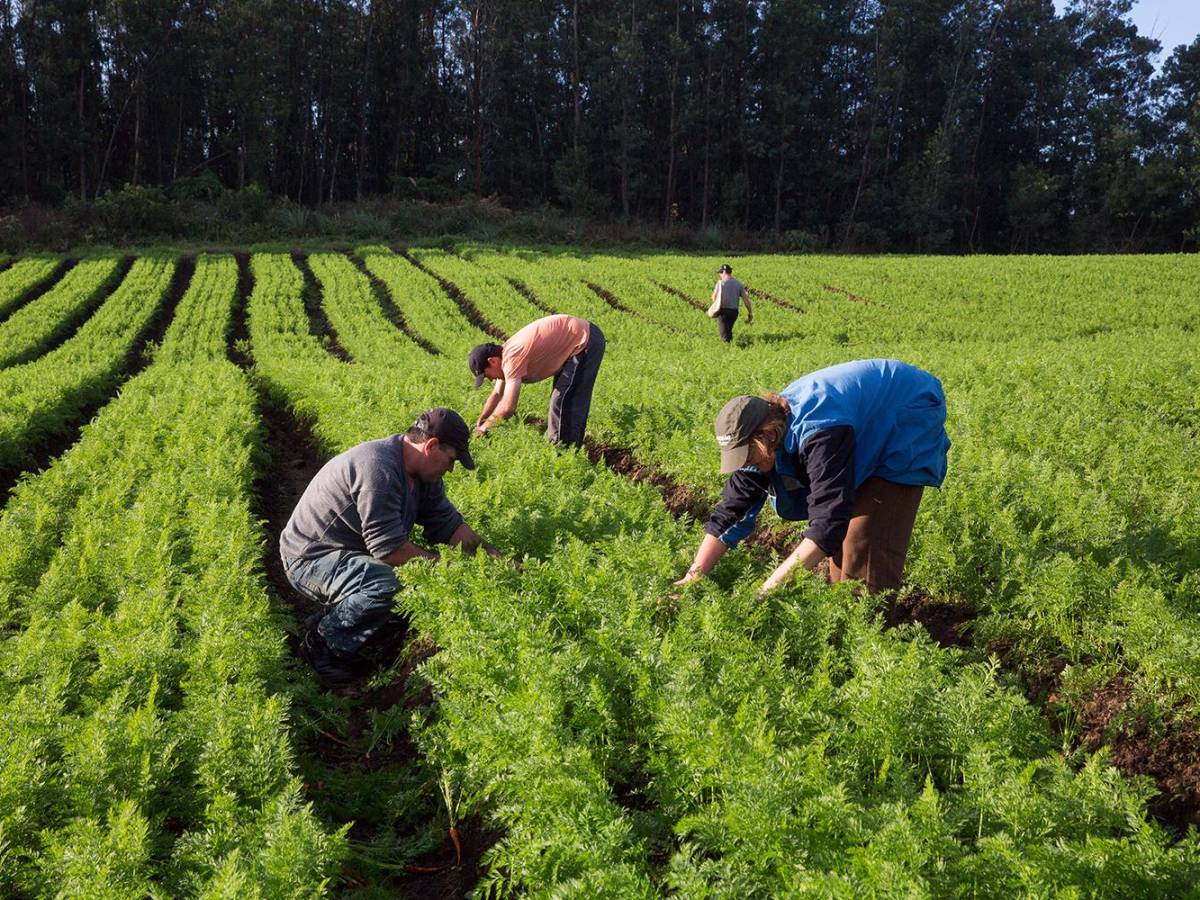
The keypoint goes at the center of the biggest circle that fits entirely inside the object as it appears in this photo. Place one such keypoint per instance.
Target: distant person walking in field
(352, 528)
(566, 348)
(726, 297)
(850, 448)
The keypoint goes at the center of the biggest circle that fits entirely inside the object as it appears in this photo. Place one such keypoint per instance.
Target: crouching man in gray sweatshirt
(351, 530)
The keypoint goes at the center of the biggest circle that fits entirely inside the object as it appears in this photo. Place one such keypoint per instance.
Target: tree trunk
(741, 95)
(137, 138)
(477, 95)
(178, 141)
(575, 87)
(337, 153)
(707, 137)
(81, 126)
(304, 147)
(364, 106)
(866, 157)
(25, 181)
(779, 171)
(673, 124)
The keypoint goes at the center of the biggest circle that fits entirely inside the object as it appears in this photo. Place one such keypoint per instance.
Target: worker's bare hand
(688, 578)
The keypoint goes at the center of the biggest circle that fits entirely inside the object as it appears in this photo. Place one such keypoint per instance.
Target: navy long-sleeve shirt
(823, 493)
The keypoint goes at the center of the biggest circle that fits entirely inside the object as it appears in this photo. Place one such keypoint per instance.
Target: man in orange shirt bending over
(567, 348)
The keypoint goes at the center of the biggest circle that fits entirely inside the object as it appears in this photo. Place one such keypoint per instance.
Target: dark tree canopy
(906, 125)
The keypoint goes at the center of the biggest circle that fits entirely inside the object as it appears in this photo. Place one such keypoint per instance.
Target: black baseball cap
(725, 267)
(478, 360)
(449, 428)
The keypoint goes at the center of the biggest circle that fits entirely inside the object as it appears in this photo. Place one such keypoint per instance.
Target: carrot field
(1022, 719)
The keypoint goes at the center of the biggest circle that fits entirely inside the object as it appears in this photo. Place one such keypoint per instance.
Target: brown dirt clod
(453, 868)
(948, 622)
(1168, 752)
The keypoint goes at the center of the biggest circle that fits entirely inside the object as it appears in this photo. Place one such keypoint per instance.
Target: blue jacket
(897, 414)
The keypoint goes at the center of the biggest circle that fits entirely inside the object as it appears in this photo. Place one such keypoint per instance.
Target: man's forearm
(468, 540)
(488, 406)
(506, 406)
(407, 552)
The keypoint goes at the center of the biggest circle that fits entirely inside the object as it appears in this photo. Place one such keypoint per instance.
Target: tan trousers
(880, 531)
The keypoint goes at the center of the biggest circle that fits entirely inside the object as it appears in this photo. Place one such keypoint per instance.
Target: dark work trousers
(571, 399)
(359, 593)
(880, 530)
(725, 320)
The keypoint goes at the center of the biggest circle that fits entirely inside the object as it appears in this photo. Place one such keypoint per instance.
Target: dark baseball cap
(725, 267)
(449, 428)
(478, 360)
(734, 426)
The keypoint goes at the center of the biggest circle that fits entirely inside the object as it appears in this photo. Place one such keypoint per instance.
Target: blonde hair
(769, 434)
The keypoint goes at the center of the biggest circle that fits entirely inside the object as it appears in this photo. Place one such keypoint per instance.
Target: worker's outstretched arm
(465, 537)
(807, 554)
(490, 404)
(707, 554)
(506, 406)
(407, 552)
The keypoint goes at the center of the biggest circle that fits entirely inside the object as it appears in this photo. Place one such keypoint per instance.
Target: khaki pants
(880, 530)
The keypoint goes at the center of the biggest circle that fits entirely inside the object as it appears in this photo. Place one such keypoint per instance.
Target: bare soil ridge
(525, 291)
(675, 292)
(319, 325)
(43, 453)
(384, 298)
(455, 293)
(40, 287)
(778, 301)
(857, 298)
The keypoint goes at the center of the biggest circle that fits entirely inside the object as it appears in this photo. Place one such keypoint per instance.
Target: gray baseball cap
(734, 426)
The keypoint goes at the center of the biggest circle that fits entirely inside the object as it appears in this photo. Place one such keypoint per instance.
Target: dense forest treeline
(895, 125)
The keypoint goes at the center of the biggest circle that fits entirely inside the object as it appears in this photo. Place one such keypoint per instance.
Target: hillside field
(1022, 719)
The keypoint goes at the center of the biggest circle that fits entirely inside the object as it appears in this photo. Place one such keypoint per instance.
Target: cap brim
(734, 458)
(466, 460)
(479, 380)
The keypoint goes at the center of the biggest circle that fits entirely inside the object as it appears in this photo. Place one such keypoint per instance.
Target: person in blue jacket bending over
(850, 448)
